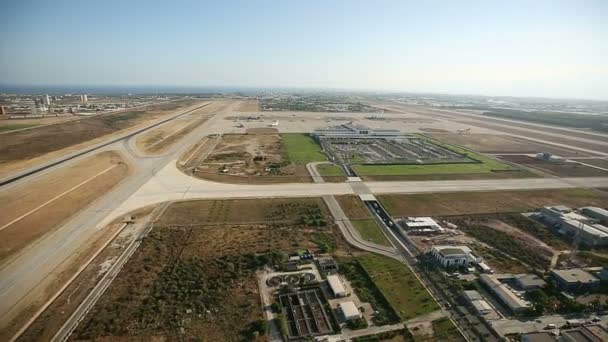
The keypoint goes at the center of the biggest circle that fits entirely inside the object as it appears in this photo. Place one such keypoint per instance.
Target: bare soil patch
(24, 198)
(433, 130)
(23, 148)
(250, 158)
(195, 281)
(557, 168)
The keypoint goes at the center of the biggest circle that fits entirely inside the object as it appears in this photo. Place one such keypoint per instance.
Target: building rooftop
(530, 280)
(349, 309)
(507, 296)
(472, 295)
(335, 284)
(576, 335)
(538, 337)
(597, 210)
(452, 250)
(575, 275)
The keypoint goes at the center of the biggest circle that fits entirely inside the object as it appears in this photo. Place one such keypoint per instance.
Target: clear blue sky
(529, 48)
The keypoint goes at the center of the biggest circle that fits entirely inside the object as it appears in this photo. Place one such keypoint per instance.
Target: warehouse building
(336, 286)
(513, 301)
(572, 224)
(454, 256)
(529, 282)
(575, 280)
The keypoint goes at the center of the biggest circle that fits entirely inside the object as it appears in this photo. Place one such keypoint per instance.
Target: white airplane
(275, 124)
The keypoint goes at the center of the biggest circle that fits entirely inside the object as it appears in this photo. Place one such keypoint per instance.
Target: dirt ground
(24, 149)
(250, 158)
(249, 106)
(203, 275)
(24, 198)
(561, 168)
(459, 203)
(489, 143)
(41, 121)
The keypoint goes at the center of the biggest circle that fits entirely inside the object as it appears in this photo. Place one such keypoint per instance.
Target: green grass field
(370, 231)
(302, 149)
(399, 285)
(329, 170)
(8, 128)
(484, 165)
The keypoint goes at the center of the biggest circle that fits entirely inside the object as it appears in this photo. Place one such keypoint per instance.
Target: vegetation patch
(302, 149)
(445, 330)
(399, 285)
(370, 231)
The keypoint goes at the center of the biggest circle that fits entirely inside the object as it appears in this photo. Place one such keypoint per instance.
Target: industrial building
(454, 256)
(349, 310)
(336, 286)
(575, 280)
(584, 228)
(596, 213)
(353, 131)
(507, 296)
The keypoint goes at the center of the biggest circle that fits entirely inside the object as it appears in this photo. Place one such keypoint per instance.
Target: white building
(349, 310)
(46, 100)
(336, 286)
(454, 256)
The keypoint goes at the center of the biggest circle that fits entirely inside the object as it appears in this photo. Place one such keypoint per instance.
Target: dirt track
(32, 209)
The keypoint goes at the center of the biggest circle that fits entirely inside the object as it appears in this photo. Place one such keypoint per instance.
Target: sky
(514, 48)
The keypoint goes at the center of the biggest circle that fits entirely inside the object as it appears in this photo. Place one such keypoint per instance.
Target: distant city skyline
(554, 49)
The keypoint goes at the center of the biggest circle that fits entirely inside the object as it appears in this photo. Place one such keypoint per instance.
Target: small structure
(291, 266)
(336, 286)
(454, 256)
(485, 268)
(575, 280)
(327, 264)
(349, 310)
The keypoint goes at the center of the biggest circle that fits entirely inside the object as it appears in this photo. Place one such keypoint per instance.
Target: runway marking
(193, 153)
(170, 135)
(58, 196)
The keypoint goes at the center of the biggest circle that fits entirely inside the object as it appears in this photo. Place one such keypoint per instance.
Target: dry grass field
(464, 203)
(194, 276)
(490, 143)
(32, 209)
(26, 148)
(557, 168)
